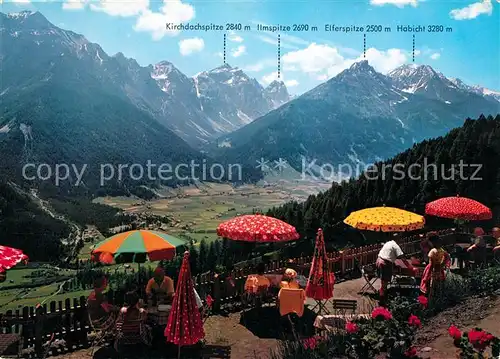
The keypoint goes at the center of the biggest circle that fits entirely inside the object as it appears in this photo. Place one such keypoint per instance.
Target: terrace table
(403, 267)
(159, 317)
(405, 274)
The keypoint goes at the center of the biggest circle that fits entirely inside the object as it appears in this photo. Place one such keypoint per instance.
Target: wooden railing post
(342, 262)
(39, 321)
(27, 327)
(217, 293)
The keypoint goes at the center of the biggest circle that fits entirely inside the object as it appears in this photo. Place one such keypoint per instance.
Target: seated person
(258, 280)
(477, 240)
(131, 325)
(290, 279)
(496, 234)
(478, 249)
(101, 313)
(160, 288)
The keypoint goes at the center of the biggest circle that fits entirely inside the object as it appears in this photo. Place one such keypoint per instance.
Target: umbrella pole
(179, 351)
(139, 273)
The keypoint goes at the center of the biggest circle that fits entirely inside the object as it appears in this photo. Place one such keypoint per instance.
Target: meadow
(196, 211)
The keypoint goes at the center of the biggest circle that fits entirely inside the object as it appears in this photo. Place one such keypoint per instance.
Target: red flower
(310, 343)
(414, 321)
(454, 332)
(381, 312)
(475, 336)
(351, 327)
(488, 338)
(209, 301)
(412, 352)
(480, 339)
(423, 300)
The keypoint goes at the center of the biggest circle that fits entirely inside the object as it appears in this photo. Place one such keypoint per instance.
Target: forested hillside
(24, 225)
(476, 144)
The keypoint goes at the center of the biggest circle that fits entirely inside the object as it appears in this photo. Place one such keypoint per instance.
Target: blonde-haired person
(289, 279)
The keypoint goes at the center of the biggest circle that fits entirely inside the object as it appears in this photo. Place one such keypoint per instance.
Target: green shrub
(485, 281)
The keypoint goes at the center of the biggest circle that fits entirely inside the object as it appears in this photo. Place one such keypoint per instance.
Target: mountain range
(196, 109)
(359, 117)
(76, 104)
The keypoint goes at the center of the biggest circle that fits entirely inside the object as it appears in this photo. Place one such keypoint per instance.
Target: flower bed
(475, 343)
(390, 332)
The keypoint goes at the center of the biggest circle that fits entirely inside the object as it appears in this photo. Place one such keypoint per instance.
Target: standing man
(385, 264)
(160, 288)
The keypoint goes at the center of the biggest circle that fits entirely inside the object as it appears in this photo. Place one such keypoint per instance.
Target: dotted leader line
(279, 56)
(413, 52)
(224, 49)
(364, 46)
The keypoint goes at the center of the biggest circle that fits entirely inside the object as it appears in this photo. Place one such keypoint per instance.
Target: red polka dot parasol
(185, 326)
(9, 257)
(257, 228)
(462, 208)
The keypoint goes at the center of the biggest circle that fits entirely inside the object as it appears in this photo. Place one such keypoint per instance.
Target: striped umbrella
(137, 246)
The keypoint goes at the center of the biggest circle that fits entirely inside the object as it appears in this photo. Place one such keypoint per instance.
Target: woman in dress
(435, 272)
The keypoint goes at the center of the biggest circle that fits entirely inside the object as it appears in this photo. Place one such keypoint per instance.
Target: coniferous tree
(211, 257)
(203, 256)
(436, 174)
(194, 260)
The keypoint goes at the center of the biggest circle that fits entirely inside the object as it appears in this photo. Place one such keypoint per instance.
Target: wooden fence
(68, 320)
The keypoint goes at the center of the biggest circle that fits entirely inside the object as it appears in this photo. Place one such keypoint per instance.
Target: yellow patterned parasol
(385, 219)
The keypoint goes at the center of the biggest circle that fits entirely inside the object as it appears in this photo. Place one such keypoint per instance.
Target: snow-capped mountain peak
(222, 68)
(479, 90)
(359, 69)
(426, 81)
(414, 78)
(277, 93)
(162, 70)
(360, 65)
(423, 80)
(231, 98)
(27, 20)
(276, 86)
(22, 14)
